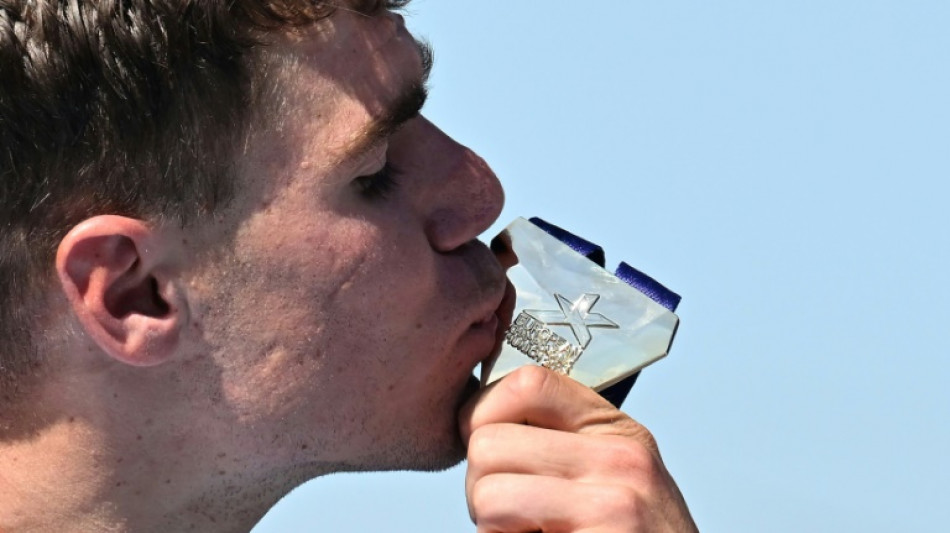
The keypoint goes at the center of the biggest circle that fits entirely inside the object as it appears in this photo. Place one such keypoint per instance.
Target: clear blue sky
(784, 166)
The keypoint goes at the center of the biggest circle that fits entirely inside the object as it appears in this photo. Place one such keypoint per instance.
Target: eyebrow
(404, 107)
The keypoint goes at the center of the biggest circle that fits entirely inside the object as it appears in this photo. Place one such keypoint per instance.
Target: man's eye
(378, 185)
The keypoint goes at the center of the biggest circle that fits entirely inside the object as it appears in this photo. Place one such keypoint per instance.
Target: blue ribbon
(638, 280)
(631, 276)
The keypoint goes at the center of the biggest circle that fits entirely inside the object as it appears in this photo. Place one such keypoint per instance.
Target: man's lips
(502, 319)
(488, 323)
(506, 308)
(494, 318)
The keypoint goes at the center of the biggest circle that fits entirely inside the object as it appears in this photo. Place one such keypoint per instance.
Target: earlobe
(119, 277)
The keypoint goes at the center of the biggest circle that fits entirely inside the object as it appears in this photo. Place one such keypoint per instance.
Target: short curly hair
(118, 106)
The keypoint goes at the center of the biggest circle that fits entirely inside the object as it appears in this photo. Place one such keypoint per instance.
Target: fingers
(548, 454)
(516, 503)
(595, 459)
(538, 397)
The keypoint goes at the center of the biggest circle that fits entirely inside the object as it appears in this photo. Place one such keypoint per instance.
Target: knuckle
(633, 460)
(481, 496)
(482, 443)
(622, 501)
(529, 381)
(627, 455)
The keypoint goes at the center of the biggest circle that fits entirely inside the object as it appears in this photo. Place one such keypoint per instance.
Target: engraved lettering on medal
(529, 333)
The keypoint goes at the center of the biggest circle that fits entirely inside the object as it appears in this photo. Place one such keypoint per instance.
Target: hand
(546, 453)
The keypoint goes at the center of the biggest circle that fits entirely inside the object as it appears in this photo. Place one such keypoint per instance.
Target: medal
(576, 318)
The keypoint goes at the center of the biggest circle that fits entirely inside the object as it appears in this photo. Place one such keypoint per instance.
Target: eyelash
(378, 185)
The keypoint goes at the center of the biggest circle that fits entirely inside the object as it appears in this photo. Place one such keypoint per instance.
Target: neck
(91, 468)
(67, 478)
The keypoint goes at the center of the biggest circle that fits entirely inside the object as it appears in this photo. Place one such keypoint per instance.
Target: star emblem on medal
(576, 315)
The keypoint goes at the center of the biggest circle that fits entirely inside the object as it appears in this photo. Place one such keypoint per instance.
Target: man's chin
(453, 451)
(434, 456)
(432, 449)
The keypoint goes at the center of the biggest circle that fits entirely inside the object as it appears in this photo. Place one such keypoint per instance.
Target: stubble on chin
(434, 446)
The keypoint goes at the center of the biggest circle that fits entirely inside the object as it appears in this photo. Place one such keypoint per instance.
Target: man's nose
(463, 196)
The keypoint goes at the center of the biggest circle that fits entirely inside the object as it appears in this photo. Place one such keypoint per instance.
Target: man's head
(264, 260)
(125, 107)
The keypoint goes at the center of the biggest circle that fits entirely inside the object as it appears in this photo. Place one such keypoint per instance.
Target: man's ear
(119, 276)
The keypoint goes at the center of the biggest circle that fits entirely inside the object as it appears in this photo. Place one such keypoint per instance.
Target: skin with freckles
(329, 320)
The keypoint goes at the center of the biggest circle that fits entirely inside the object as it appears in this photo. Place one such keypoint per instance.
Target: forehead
(348, 70)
